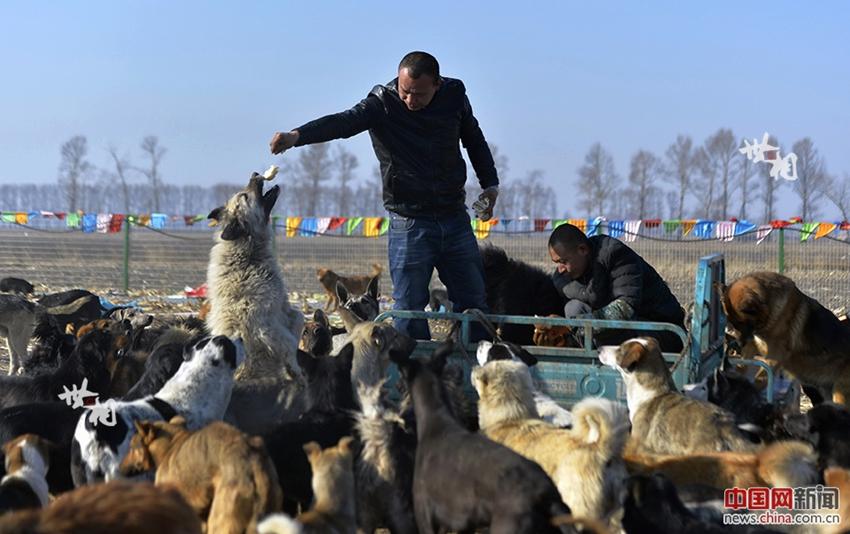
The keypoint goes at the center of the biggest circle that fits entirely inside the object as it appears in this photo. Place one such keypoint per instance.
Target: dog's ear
(341, 292)
(321, 317)
(233, 230)
(441, 356)
(345, 356)
(177, 420)
(344, 444)
(372, 290)
(269, 198)
(306, 362)
(631, 353)
(312, 449)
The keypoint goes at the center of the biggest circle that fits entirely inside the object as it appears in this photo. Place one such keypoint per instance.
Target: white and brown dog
(25, 484)
(665, 421)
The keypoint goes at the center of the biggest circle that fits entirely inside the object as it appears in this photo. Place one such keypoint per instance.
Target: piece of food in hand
(270, 173)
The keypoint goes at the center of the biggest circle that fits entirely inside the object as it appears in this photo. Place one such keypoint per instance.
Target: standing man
(416, 123)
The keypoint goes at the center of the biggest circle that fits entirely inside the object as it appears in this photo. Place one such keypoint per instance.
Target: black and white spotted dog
(200, 391)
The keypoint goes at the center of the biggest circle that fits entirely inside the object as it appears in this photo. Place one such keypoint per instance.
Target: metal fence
(165, 261)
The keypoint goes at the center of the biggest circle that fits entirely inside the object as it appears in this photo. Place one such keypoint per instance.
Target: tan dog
(333, 486)
(792, 329)
(356, 285)
(837, 477)
(584, 462)
(115, 507)
(788, 464)
(226, 476)
(665, 421)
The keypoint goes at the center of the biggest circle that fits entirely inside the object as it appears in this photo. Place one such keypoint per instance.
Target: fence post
(781, 251)
(126, 280)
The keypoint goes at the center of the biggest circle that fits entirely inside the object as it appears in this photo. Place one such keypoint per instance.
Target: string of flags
(627, 230)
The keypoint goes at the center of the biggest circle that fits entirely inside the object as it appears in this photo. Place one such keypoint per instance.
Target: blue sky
(546, 79)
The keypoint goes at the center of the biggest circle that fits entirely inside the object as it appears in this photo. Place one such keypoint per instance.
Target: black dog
(50, 345)
(516, 288)
(16, 285)
(90, 359)
(755, 416)
(76, 307)
(463, 480)
(652, 505)
(330, 420)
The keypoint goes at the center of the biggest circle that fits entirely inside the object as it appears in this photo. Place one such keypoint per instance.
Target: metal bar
(126, 274)
(782, 251)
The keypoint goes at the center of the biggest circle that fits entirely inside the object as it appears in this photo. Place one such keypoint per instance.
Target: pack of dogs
(253, 420)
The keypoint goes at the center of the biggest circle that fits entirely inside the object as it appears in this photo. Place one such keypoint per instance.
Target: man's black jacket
(421, 165)
(616, 272)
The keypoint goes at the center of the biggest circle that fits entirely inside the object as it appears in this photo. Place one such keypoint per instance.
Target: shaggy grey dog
(247, 294)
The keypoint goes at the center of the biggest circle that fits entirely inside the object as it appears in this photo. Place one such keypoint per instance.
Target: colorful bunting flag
(744, 227)
(581, 224)
(762, 232)
(115, 223)
(22, 218)
(482, 228)
(540, 224)
(309, 227)
(808, 229)
(372, 226)
(89, 222)
(352, 224)
(631, 230)
(158, 221)
(651, 223)
(725, 230)
(102, 222)
(595, 227)
(336, 222)
(688, 226)
(671, 225)
(292, 224)
(616, 228)
(322, 224)
(385, 226)
(704, 229)
(825, 229)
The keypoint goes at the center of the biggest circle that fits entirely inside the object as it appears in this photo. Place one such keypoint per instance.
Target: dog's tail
(788, 464)
(568, 523)
(376, 270)
(279, 524)
(602, 423)
(269, 496)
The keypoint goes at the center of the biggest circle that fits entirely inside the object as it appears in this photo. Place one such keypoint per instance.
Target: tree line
(712, 180)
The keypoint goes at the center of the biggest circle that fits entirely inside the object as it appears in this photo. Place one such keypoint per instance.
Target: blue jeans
(418, 245)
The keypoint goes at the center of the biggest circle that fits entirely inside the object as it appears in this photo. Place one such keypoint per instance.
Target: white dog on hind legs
(247, 293)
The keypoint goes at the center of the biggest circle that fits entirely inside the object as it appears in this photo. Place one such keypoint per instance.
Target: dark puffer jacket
(421, 165)
(618, 273)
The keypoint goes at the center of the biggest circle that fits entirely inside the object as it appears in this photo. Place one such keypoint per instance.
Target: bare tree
(704, 188)
(680, 165)
(314, 168)
(812, 180)
(345, 162)
(769, 185)
(642, 173)
(150, 146)
(598, 180)
(746, 171)
(534, 197)
(73, 170)
(721, 150)
(839, 194)
(122, 166)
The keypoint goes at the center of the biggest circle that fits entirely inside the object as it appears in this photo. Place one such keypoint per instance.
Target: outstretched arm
(336, 126)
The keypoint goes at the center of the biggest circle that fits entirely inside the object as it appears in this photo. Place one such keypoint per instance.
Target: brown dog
(333, 486)
(792, 329)
(117, 506)
(788, 464)
(665, 421)
(356, 285)
(226, 476)
(552, 335)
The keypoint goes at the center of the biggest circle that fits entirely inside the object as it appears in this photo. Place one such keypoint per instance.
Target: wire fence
(165, 261)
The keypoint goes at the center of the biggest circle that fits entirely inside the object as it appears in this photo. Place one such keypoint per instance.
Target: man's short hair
(567, 237)
(419, 63)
